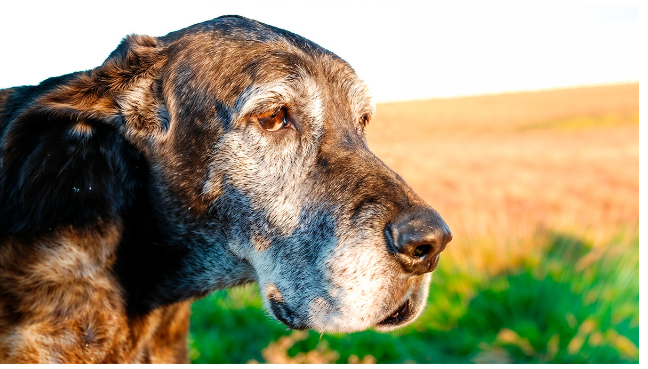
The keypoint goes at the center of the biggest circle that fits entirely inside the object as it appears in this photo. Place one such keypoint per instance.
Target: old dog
(225, 153)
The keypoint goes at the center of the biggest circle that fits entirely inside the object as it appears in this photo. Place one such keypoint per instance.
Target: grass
(541, 192)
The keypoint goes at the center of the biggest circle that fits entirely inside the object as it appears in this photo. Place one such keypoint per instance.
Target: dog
(225, 153)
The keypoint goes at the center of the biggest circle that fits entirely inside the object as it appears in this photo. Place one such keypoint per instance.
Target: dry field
(507, 166)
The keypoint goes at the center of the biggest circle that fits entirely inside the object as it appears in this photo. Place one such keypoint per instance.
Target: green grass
(574, 303)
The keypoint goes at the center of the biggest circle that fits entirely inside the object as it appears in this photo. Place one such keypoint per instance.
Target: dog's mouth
(408, 310)
(400, 316)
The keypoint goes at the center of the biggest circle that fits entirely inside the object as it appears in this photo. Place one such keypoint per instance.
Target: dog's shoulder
(61, 303)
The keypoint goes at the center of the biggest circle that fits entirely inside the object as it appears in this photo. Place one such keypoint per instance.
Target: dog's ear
(119, 92)
(66, 155)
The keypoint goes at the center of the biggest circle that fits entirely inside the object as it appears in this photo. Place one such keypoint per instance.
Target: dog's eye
(363, 121)
(274, 120)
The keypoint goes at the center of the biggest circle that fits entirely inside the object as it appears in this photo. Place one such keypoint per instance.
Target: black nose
(417, 237)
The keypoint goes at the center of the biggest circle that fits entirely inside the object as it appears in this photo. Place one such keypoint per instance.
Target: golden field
(507, 166)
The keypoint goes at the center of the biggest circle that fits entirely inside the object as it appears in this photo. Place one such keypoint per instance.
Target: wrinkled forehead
(253, 74)
(301, 89)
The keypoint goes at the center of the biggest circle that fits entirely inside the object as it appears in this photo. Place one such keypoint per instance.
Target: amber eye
(274, 120)
(363, 121)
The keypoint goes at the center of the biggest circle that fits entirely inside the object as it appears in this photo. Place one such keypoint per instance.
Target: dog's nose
(417, 237)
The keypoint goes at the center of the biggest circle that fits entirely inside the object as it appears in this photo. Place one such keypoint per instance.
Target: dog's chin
(399, 313)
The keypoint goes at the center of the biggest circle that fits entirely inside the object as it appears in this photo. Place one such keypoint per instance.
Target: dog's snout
(417, 237)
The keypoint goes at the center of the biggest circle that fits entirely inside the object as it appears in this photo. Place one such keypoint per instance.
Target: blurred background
(518, 123)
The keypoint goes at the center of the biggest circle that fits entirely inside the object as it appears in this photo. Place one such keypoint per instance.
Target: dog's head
(255, 141)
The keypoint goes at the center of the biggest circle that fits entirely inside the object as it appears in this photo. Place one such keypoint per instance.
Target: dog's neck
(84, 175)
(163, 258)
(161, 262)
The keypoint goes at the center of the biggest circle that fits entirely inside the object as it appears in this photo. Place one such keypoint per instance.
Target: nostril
(421, 251)
(416, 237)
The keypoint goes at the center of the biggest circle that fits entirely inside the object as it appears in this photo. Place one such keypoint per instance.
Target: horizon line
(512, 92)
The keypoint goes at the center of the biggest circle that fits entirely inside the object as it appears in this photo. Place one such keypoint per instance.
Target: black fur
(51, 175)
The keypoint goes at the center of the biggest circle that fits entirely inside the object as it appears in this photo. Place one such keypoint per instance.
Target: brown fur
(61, 304)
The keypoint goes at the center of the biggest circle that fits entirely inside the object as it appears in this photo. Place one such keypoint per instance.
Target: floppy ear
(65, 152)
(118, 92)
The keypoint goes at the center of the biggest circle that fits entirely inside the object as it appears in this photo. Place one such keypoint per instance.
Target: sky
(403, 49)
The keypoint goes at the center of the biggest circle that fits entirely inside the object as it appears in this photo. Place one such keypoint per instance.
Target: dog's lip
(286, 315)
(399, 316)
